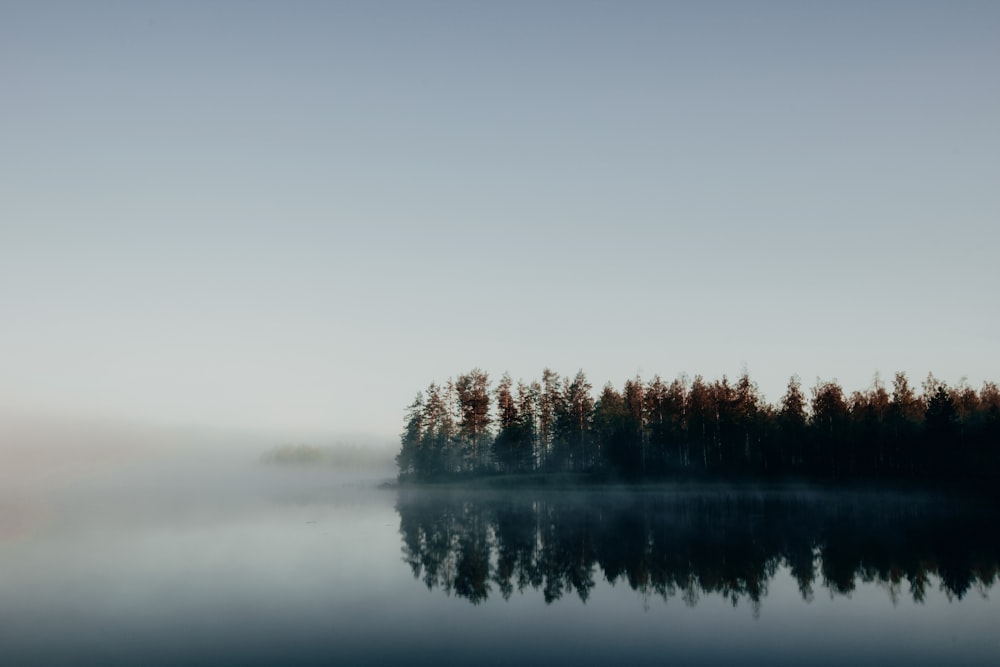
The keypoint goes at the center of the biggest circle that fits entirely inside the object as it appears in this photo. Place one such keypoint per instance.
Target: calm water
(169, 564)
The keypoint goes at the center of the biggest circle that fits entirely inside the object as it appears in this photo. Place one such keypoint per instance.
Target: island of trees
(695, 428)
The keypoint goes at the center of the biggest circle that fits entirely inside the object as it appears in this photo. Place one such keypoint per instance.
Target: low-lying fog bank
(100, 472)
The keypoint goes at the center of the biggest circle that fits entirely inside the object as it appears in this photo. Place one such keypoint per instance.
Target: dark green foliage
(613, 431)
(512, 448)
(791, 424)
(941, 416)
(830, 441)
(549, 402)
(948, 434)
(573, 425)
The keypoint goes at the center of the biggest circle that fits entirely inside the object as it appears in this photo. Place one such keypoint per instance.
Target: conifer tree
(829, 422)
(473, 390)
(573, 421)
(611, 429)
(528, 396)
(701, 417)
(792, 424)
(657, 425)
(408, 457)
(635, 426)
(905, 415)
(550, 400)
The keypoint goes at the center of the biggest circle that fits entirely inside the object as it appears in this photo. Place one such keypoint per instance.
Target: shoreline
(573, 482)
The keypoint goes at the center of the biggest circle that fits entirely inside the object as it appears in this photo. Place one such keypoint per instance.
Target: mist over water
(179, 551)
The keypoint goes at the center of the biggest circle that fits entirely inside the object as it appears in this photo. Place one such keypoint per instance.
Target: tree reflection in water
(690, 544)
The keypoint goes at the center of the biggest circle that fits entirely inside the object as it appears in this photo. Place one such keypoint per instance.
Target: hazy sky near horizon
(292, 216)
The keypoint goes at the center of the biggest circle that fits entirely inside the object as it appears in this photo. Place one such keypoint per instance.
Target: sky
(292, 216)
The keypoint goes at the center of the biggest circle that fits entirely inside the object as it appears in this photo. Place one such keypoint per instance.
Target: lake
(163, 562)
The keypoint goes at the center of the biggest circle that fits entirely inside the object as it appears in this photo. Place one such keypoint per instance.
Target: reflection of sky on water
(297, 567)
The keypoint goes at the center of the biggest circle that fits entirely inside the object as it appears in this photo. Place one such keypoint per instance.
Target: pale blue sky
(292, 216)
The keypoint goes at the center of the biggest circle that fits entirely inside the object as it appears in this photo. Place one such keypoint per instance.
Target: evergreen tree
(505, 444)
(678, 449)
(506, 408)
(438, 453)
(412, 438)
(792, 426)
(746, 409)
(549, 404)
(612, 431)
(473, 389)
(905, 415)
(829, 426)
(725, 437)
(528, 398)
(513, 447)
(941, 416)
(701, 419)
(635, 425)
(574, 419)
(944, 448)
(967, 404)
(657, 424)
(875, 441)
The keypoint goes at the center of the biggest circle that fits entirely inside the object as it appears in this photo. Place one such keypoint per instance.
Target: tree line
(466, 426)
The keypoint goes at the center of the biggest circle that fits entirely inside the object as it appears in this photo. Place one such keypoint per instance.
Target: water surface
(161, 562)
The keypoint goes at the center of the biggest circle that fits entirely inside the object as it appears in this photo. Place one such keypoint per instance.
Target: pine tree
(550, 401)
(829, 422)
(573, 420)
(611, 429)
(792, 424)
(511, 443)
(506, 408)
(746, 408)
(654, 406)
(905, 416)
(528, 397)
(701, 416)
(473, 390)
(411, 439)
(635, 426)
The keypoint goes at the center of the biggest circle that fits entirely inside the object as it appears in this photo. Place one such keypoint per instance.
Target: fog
(92, 472)
(127, 544)
(120, 539)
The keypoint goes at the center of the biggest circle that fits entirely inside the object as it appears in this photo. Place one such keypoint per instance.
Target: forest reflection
(690, 544)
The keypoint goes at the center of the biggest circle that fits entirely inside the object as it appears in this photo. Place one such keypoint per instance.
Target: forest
(694, 428)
